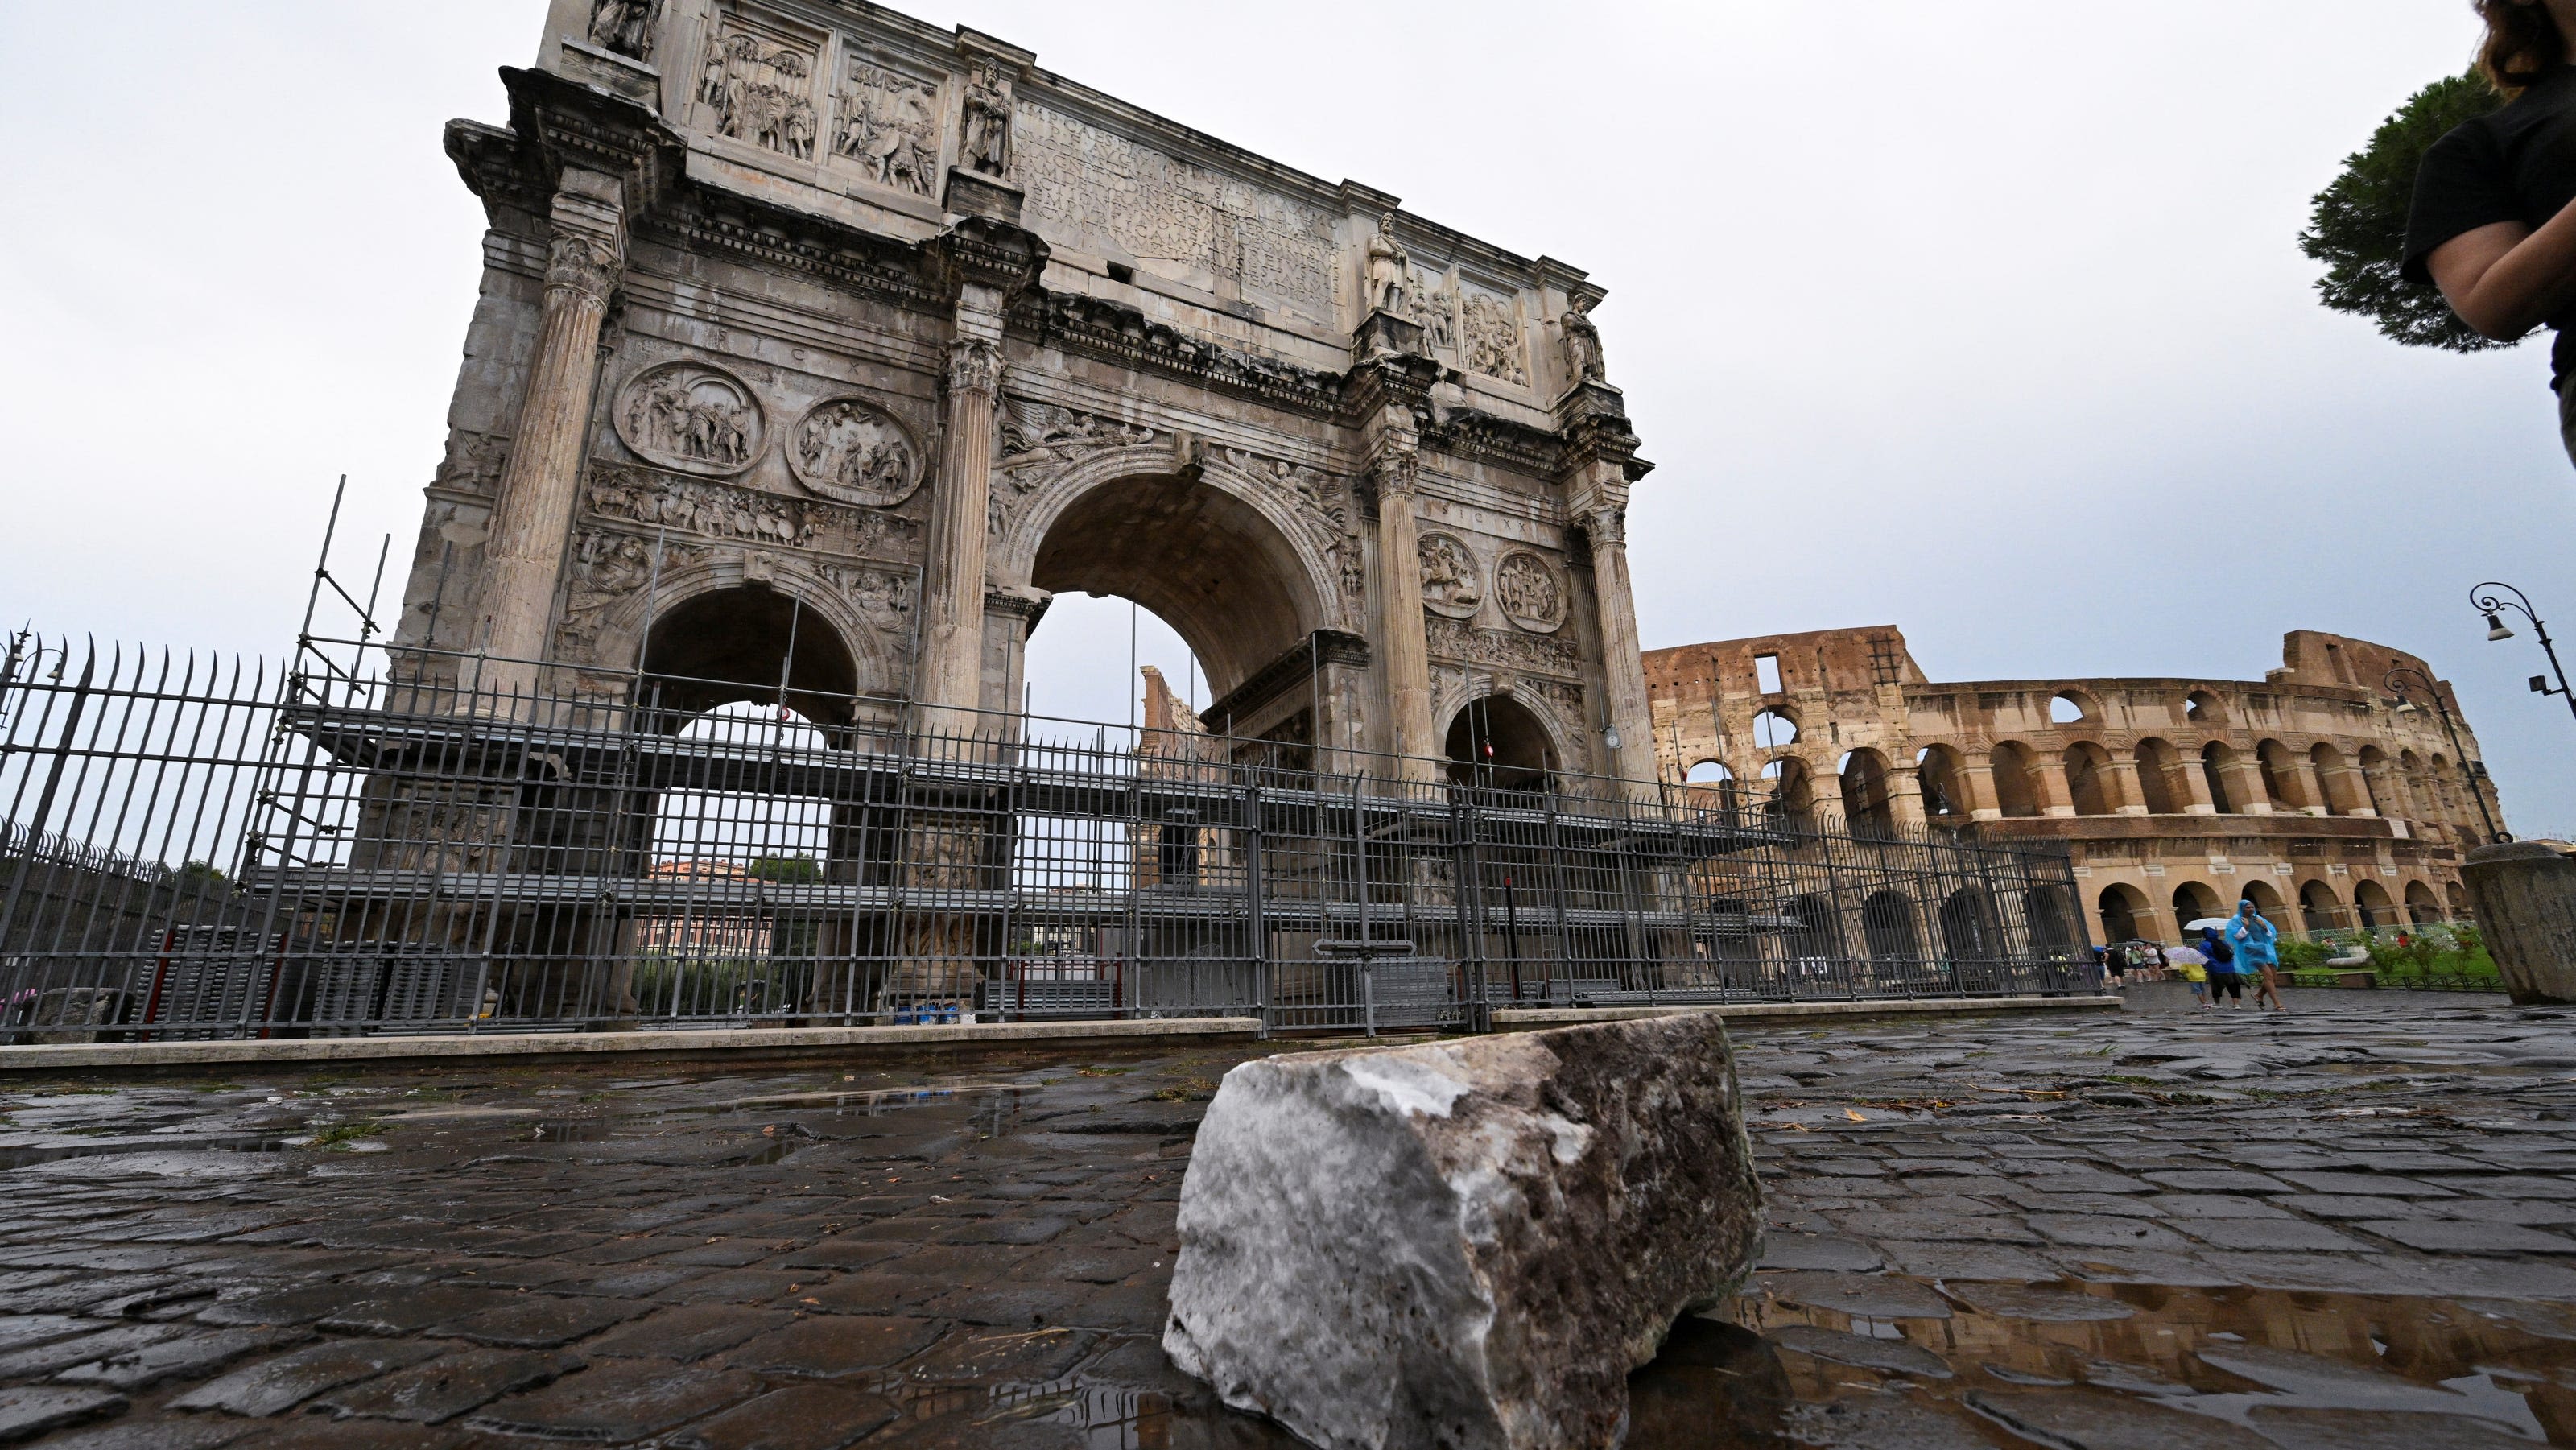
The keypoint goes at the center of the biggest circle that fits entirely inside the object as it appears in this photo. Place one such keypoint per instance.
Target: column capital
(974, 366)
(582, 265)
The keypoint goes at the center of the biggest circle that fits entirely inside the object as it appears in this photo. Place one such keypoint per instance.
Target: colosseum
(2315, 792)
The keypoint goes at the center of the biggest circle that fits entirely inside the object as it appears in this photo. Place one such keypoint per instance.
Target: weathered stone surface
(2525, 895)
(1463, 1244)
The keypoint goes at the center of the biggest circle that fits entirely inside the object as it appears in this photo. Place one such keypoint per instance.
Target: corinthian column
(1394, 463)
(952, 641)
(1604, 511)
(532, 517)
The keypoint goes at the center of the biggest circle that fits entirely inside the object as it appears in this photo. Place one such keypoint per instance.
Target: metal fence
(316, 849)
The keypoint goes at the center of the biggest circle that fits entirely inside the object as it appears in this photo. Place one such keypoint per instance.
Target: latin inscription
(1095, 184)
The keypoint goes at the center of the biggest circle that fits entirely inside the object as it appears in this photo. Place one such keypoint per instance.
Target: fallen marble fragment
(1462, 1244)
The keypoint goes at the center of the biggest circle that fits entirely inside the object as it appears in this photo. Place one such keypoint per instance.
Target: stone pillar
(2048, 785)
(1905, 799)
(952, 637)
(2349, 782)
(532, 517)
(1604, 512)
(1977, 783)
(2524, 894)
(1394, 465)
(2131, 796)
(2196, 798)
(2245, 784)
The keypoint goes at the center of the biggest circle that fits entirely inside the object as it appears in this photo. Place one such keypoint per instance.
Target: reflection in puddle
(1993, 1364)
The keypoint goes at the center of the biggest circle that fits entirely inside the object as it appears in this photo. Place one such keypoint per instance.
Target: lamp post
(2397, 679)
(2492, 605)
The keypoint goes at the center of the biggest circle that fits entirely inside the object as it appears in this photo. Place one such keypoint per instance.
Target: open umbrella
(2215, 923)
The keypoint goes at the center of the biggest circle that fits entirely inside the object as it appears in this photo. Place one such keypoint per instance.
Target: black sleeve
(2462, 185)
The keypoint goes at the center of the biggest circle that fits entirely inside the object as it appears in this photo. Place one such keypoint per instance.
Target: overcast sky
(1982, 319)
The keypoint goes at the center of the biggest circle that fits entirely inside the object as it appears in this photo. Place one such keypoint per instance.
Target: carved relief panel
(1531, 596)
(886, 124)
(852, 450)
(1491, 329)
(1451, 583)
(692, 417)
(757, 82)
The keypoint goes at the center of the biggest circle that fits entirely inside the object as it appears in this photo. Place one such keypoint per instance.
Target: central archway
(1243, 579)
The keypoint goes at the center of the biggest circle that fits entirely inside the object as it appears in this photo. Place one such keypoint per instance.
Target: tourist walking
(2258, 950)
(2493, 223)
(2223, 979)
(2194, 967)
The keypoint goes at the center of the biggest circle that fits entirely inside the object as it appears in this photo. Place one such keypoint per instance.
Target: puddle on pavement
(1870, 1360)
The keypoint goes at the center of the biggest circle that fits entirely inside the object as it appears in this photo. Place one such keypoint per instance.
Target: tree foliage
(2358, 227)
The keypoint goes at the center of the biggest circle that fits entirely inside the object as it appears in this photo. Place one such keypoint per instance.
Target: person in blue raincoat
(2258, 952)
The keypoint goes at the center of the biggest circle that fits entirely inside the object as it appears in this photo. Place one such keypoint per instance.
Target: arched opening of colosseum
(746, 645)
(2217, 762)
(1814, 940)
(2088, 779)
(1717, 782)
(1866, 803)
(2194, 901)
(2160, 777)
(2281, 777)
(2016, 792)
(2340, 788)
(2372, 905)
(2320, 910)
(1775, 728)
(2050, 910)
(2073, 707)
(1937, 773)
(1495, 743)
(1970, 928)
(2201, 707)
(1887, 926)
(2267, 904)
(1208, 564)
(2423, 908)
(2124, 912)
(1789, 792)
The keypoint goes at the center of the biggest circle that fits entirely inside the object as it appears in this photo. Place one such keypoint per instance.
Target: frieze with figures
(605, 567)
(1452, 584)
(1034, 440)
(1456, 639)
(730, 511)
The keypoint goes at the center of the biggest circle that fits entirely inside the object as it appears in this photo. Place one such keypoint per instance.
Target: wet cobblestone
(2351, 1225)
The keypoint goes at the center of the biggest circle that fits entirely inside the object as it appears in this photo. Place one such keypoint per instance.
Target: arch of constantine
(2309, 791)
(818, 347)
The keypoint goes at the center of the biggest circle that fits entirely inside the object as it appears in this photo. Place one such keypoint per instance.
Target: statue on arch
(1388, 271)
(1582, 343)
(988, 119)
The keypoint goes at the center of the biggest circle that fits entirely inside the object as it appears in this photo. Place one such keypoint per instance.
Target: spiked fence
(195, 850)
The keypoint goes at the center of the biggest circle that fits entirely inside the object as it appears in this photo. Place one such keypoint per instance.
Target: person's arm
(2504, 279)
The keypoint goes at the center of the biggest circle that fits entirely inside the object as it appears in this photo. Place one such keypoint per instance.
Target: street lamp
(2397, 679)
(2486, 601)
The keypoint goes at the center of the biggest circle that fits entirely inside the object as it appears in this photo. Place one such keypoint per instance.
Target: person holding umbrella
(2257, 944)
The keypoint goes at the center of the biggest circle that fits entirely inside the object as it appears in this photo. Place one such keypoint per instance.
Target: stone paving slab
(2344, 1226)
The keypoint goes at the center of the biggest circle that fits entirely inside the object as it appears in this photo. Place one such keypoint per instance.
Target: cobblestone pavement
(2351, 1226)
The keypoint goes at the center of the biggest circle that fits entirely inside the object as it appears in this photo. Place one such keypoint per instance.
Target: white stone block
(1463, 1244)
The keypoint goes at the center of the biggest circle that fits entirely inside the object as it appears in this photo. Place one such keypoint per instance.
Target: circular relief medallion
(1451, 582)
(1526, 586)
(852, 450)
(692, 417)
